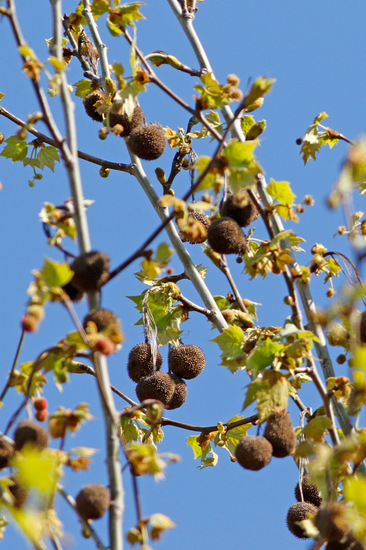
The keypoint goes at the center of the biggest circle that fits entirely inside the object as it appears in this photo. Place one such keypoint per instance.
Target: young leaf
(47, 156)
(231, 342)
(16, 149)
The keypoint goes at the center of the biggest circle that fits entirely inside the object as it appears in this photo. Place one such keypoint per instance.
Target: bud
(160, 174)
(318, 249)
(104, 172)
(233, 79)
(330, 292)
(255, 105)
(308, 200)
(338, 335)
(256, 130)
(103, 133)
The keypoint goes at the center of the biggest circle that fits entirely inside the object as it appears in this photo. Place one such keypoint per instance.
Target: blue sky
(316, 52)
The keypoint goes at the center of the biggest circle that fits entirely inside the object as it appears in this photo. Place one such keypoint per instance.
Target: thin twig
(119, 166)
(71, 502)
(17, 353)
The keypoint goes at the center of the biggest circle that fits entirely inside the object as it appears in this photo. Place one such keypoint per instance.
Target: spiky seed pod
(128, 125)
(299, 512)
(226, 237)
(93, 501)
(331, 521)
(240, 208)
(73, 293)
(90, 271)
(158, 386)
(6, 451)
(89, 104)
(253, 452)
(19, 492)
(197, 224)
(349, 543)
(147, 142)
(103, 318)
(363, 327)
(309, 492)
(180, 393)
(281, 434)
(140, 362)
(28, 432)
(186, 361)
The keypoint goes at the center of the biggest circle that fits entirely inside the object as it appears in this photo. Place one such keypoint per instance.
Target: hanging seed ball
(299, 512)
(147, 142)
(186, 361)
(349, 543)
(19, 492)
(28, 432)
(196, 233)
(253, 452)
(240, 208)
(309, 492)
(73, 293)
(103, 318)
(363, 327)
(140, 362)
(93, 501)
(128, 125)
(89, 104)
(281, 434)
(90, 271)
(331, 521)
(6, 451)
(226, 237)
(158, 385)
(180, 393)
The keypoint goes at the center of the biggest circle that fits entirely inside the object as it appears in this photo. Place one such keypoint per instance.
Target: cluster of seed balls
(279, 440)
(329, 518)
(184, 361)
(91, 272)
(92, 501)
(224, 234)
(147, 141)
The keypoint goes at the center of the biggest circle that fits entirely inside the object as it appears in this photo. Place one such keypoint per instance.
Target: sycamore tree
(115, 348)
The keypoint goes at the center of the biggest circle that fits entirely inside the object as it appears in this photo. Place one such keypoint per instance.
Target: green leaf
(231, 342)
(222, 302)
(246, 123)
(239, 155)
(100, 7)
(211, 180)
(163, 254)
(205, 453)
(315, 429)
(26, 51)
(234, 436)
(56, 274)
(263, 355)
(354, 491)
(270, 391)
(16, 149)
(47, 156)
(281, 191)
(124, 15)
(37, 468)
(34, 163)
(83, 88)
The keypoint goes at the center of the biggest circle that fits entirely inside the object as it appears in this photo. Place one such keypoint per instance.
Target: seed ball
(140, 362)
(310, 492)
(331, 521)
(299, 512)
(253, 452)
(196, 233)
(158, 386)
(363, 327)
(93, 501)
(103, 318)
(180, 393)
(128, 125)
(147, 142)
(6, 451)
(240, 208)
(349, 543)
(73, 293)
(90, 271)
(19, 492)
(186, 361)
(281, 434)
(28, 432)
(89, 104)
(226, 237)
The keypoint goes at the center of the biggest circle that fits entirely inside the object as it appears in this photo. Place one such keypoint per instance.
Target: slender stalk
(226, 271)
(110, 413)
(182, 253)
